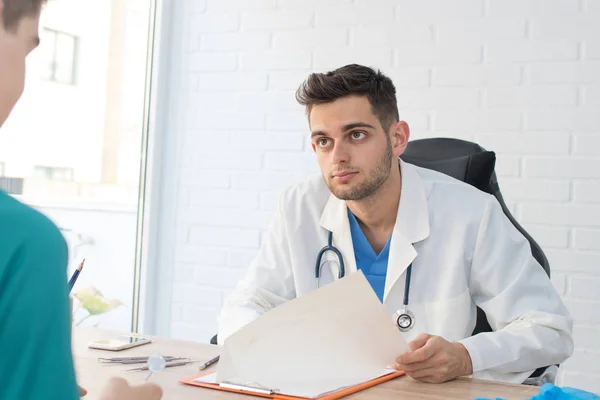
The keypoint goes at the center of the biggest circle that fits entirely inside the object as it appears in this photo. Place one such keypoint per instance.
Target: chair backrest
(470, 163)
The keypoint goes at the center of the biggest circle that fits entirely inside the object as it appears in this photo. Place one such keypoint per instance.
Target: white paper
(334, 337)
(208, 378)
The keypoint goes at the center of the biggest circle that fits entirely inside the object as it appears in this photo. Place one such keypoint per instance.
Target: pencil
(75, 275)
(208, 363)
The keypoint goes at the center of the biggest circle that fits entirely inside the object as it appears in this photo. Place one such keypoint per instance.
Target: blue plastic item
(549, 391)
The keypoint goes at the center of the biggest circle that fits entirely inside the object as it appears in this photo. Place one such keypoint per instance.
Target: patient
(35, 329)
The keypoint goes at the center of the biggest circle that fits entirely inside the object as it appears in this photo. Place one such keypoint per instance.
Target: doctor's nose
(339, 154)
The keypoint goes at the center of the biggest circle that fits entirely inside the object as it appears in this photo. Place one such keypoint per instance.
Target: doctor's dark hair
(15, 10)
(352, 80)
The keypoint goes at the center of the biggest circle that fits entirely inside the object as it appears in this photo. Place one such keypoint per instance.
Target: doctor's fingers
(419, 341)
(439, 360)
(414, 367)
(430, 375)
(431, 347)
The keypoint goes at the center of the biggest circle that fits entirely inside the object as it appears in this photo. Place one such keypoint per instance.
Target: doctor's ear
(399, 135)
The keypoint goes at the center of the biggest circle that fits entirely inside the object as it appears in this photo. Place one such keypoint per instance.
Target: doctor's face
(355, 153)
(15, 45)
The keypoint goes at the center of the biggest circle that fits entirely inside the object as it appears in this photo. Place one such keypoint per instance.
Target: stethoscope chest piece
(405, 319)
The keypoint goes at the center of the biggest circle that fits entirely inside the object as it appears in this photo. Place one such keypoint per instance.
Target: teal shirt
(35, 326)
(373, 265)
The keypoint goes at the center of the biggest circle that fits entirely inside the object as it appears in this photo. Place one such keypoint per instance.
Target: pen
(209, 363)
(75, 275)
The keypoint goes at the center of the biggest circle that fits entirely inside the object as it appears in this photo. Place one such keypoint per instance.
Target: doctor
(432, 248)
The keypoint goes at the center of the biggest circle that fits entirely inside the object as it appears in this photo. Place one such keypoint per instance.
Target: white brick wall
(522, 77)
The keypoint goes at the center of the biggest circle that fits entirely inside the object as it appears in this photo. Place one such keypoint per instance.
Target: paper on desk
(334, 337)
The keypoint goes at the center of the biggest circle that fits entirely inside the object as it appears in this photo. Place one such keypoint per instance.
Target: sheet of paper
(208, 378)
(334, 337)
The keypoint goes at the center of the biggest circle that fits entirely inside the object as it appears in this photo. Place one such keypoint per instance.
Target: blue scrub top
(35, 332)
(373, 265)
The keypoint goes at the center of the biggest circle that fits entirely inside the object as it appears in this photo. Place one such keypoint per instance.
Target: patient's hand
(119, 389)
(434, 359)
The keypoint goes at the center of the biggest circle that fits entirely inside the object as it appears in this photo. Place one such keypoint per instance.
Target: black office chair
(470, 163)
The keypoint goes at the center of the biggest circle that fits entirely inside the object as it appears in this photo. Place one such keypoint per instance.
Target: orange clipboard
(280, 396)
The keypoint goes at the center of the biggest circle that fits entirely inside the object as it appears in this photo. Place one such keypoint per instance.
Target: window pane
(42, 173)
(47, 48)
(62, 174)
(65, 58)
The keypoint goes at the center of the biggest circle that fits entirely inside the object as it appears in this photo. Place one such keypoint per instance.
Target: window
(53, 173)
(60, 54)
(73, 150)
(1, 169)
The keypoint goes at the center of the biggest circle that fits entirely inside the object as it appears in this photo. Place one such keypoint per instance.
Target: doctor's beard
(374, 180)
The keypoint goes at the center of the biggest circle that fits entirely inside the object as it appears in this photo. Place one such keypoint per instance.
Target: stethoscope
(404, 318)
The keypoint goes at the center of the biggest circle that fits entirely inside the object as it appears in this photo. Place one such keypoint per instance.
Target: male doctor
(386, 215)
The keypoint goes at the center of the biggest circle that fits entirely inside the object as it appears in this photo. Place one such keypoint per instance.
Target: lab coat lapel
(412, 225)
(335, 219)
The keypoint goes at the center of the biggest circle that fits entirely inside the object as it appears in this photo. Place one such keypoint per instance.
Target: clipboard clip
(248, 388)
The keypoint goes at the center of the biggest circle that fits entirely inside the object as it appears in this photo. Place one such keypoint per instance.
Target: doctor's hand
(434, 359)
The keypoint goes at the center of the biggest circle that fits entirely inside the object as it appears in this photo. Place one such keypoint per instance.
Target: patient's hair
(352, 80)
(15, 10)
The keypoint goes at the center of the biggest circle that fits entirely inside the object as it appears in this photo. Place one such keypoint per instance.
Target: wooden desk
(92, 374)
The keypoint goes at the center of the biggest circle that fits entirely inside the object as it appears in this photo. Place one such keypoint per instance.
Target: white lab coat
(465, 253)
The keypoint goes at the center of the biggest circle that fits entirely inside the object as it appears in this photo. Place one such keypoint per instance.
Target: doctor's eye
(358, 135)
(323, 142)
